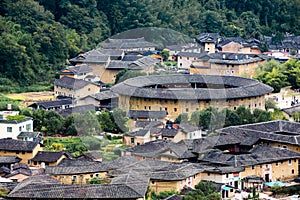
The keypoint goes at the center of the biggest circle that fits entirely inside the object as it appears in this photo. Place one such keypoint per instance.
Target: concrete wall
(17, 128)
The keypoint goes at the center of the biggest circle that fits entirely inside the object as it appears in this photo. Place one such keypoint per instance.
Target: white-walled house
(11, 128)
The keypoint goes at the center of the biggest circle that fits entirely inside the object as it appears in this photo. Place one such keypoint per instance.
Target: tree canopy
(38, 36)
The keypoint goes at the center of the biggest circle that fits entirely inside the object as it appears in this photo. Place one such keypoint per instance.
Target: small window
(252, 167)
(97, 175)
(132, 140)
(186, 110)
(28, 127)
(175, 109)
(277, 164)
(9, 129)
(293, 171)
(89, 89)
(153, 182)
(290, 162)
(73, 178)
(20, 128)
(149, 107)
(208, 174)
(226, 175)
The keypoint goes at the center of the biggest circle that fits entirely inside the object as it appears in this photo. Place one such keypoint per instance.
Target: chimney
(224, 56)
(9, 106)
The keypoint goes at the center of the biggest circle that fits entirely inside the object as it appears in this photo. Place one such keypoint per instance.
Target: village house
(292, 113)
(143, 64)
(145, 115)
(155, 132)
(92, 156)
(104, 99)
(82, 170)
(106, 63)
(267, 162)
(239, 45)
(163, 175)
(12, 124)
(19, 172)
(31, 136)
(78, 71)
(76, 171)
(52, 189)
(185, 59)
(209, 41)
(74, 88)
(229, 64)
(289, 44)
(59, 104)
(279, 133)
(165, 150)
(9, 161)
(46, 158)
(94, 59)
(186, 93)
(25, 150)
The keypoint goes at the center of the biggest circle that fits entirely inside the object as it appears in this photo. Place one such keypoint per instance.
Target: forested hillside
(37, 37)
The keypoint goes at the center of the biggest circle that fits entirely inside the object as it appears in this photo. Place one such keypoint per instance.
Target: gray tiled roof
(59, 191)
(257, 155)
(52, 104)
(147, 114)
(77, 109)
(139, 64)
(112, 52)
(93, 56)
(143, 124)
(44, 156)
(162, 170)
(83, 169)
(281, 131)
(138, 182)
(29, 134)
(103, 95)
(187, 128)
(8, 144)
(292, 109)
(71, 83)
(78, 69)
(144, 87)
(191, 54)
(9, 159)
(169, 132)
(157, 148)
(93, 155)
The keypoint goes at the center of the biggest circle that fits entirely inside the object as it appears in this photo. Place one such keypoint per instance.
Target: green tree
(182, 118)
(244, 114)
(203, 191)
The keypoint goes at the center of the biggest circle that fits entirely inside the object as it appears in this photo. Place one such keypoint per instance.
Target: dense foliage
(38, 36)
(204, 190)
(212, 119)
(51, 123)
(279, 75)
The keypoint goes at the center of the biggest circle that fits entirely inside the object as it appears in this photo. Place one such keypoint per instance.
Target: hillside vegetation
(37, 37)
